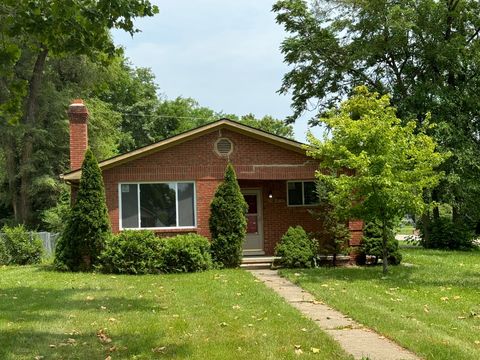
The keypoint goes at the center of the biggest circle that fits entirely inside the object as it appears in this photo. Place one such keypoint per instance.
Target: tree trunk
(27, 149)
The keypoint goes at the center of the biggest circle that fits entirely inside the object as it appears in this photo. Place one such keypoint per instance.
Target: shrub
(446, 234)
(88, 226)
(21, 246)
(186, 253)
(4, 255)
(132, 252)
(372, 244)
(296, 249)
(227, 221)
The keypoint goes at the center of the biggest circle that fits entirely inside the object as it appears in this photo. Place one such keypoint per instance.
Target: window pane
(294, 193)
(310, 193)
(129, 199)
(157, 205)
(186, 205)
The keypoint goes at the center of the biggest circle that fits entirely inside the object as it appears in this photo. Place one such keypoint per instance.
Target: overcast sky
(223, 53)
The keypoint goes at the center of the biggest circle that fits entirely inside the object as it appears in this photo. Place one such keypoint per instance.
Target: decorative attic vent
(223, 147)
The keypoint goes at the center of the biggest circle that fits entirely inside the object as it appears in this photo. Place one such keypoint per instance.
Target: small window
(157, 205)
(302, 193)
(223, 147)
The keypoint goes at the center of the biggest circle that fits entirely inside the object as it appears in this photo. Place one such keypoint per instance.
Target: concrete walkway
(354, 339)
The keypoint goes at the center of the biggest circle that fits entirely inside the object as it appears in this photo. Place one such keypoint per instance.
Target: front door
(254, 241)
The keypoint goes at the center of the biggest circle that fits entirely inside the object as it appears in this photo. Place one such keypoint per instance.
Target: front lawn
(430, 304)
(213, 315)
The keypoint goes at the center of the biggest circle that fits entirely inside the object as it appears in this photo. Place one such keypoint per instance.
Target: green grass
(213, 315)
(431, 307)
(405, 230)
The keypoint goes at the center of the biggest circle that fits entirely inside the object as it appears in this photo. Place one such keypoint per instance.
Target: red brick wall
(78, 117)
(258, 165)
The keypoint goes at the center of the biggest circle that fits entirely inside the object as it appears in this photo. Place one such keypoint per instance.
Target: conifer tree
(88, 225)
(227, 221)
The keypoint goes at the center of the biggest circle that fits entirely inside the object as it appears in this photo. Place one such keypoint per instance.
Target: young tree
(376, 167)
(88, 225)
(425, 53)
(227, 221)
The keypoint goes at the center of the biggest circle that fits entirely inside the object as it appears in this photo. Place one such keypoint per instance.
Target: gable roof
(189, 135)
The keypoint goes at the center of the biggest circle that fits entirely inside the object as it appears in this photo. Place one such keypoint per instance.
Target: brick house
(168, 186)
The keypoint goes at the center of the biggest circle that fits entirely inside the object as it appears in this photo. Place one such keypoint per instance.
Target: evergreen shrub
(371, 244)
(186, 253)
(296, 249)
(132, 252)
(448, 235)
(227, 221)
(88, 226)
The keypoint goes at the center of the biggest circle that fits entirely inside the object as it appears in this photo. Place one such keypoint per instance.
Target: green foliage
(132, 252)
(20, 246)
(185, 253)
(227, 221)
(4, 255)
(416, 51)
(389, 164)
(141, 252)
(444, 233)
(88, 226)
(269, 124)
(56, 217)
(296, 249)
(335, 235)
(372, 244)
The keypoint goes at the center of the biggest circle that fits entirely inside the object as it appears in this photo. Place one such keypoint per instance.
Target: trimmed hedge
(185, 253)
(132, 252)
(20, 247)
(141, 252)
(296, 249)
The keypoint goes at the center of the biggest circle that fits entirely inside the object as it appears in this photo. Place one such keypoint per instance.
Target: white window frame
(138, 183)
(303, 193)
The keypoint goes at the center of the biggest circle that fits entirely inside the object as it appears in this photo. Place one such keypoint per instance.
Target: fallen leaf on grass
(456, 297)
(103, 337)
(103, 307)
(108, 357)
(223, 324)
(303, 329)
(112, 319)
(315, 350)
(39, 357)
(477, 342)
(298, 349)
(160, 349)
(236, 307)
(445, 298)
(89, 298)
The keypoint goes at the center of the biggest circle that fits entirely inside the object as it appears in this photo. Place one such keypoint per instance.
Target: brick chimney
(78, 117)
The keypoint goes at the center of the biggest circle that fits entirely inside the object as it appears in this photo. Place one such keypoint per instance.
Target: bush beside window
(19, 246)
(141, 252)
(296, 249)
(185, 253)
(132, 252)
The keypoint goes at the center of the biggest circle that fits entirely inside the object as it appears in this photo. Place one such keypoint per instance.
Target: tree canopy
(376, 168)
(425, 53)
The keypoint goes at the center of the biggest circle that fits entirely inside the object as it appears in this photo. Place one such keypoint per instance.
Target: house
(168, 186)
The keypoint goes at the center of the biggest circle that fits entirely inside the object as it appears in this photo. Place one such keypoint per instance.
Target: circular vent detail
(223, 147)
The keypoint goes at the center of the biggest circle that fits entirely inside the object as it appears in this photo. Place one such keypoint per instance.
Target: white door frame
(261, 250)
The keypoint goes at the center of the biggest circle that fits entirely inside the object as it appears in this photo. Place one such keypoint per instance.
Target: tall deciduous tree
(88, 226)
(425, 53)
(376, 167)
(32, 31)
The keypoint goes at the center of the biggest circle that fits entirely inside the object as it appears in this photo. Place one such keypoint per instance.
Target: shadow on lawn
(22, 309)
(29, 344)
